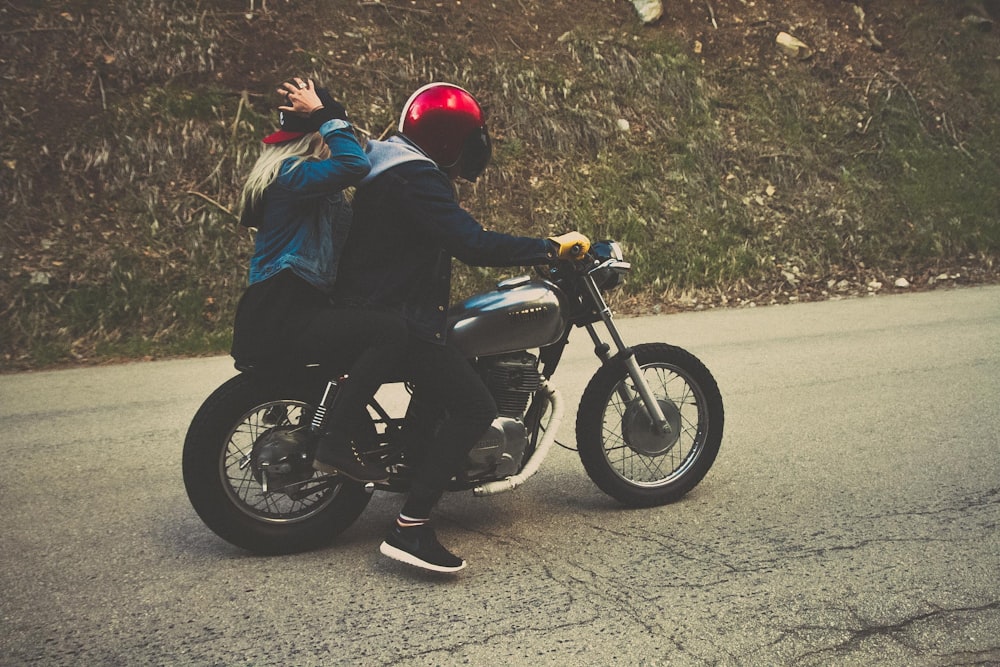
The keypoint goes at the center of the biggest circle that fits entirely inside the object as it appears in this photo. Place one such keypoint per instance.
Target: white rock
(793, 46)
(649, 10)
(902, 282)
(623, 125)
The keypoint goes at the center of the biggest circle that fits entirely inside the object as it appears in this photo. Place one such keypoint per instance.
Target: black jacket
(407, 227)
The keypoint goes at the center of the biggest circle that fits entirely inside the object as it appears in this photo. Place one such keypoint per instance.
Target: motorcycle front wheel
(240, 424)
(622, 452)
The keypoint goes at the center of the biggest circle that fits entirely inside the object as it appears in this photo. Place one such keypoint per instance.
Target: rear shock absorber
(324, 405)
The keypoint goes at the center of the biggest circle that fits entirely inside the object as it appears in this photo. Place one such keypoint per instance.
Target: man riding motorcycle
(407, 227)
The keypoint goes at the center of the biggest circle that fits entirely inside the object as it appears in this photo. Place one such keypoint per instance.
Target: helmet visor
(476, 154)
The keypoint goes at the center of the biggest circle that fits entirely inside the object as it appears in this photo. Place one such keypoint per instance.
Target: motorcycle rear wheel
(619, 449)
(219, 473)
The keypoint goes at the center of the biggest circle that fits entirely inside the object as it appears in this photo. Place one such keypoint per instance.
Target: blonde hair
(268, 165)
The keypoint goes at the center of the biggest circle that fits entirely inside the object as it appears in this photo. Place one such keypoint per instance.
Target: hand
(572, 245)
(300, 96)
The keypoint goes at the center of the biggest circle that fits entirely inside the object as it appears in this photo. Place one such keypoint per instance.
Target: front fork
(603, 351)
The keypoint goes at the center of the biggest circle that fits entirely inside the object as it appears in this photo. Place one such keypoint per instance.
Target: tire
(619, 450)
(219, 473)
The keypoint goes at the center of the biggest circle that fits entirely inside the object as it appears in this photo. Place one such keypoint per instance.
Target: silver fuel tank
(520, 314)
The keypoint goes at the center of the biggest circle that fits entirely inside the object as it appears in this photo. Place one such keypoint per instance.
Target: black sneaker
(418, 546)
(341, 458)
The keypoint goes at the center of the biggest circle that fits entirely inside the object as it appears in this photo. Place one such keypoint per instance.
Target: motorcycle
(648, 426)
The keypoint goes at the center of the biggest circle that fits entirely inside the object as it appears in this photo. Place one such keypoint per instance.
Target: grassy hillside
(733, 171)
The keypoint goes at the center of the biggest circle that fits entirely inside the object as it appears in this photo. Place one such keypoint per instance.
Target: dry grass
(762, 181)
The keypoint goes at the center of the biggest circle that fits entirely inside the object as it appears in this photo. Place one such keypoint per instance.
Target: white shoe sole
(406, 557)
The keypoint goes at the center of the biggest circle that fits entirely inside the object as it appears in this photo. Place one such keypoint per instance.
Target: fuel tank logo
(529, 314)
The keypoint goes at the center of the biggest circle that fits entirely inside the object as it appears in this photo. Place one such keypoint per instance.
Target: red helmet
(448, 124)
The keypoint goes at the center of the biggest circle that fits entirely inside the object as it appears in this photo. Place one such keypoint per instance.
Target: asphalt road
(850, 519)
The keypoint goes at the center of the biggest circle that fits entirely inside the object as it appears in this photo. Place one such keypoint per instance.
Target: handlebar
(603, 262)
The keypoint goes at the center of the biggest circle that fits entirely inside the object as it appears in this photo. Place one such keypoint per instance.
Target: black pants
(445, 384)
(369, 345)
(284, 323)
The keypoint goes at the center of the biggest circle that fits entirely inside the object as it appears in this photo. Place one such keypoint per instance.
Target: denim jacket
(302, 219)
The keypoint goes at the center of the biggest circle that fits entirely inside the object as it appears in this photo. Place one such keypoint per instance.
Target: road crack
(857, 636)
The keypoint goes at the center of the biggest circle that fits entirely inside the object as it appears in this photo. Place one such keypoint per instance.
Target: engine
(512, 380)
